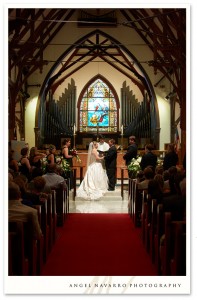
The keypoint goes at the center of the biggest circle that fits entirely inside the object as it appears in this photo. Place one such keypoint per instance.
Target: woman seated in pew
(18, 212)
(36, 172)
(159, 170)
(140, 176)
(39, 185)
(148, 174)
(166, 186)
(28, 198)
(13, 163)
(175, 202)
(155, 190)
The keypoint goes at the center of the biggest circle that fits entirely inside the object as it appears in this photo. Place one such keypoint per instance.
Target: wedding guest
(18, 212)
(28, 198)
(131, 150)
(35, 157)
(53, 180)
(171, 157)
(149, 158)
(13, 164)
(24, 164)
(148, 175)
(51, 155)
(68, 156)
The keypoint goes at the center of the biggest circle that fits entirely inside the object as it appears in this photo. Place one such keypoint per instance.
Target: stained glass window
(98, 109)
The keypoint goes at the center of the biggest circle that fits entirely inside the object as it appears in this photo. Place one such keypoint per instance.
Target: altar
(83, 165)
(121, 167)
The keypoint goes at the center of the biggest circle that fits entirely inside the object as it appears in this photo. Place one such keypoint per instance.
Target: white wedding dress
(95, 182)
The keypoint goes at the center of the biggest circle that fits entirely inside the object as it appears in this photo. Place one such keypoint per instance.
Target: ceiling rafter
(32, 30)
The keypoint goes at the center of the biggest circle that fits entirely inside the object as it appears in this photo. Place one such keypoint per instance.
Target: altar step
(109, 196)
(112, 202)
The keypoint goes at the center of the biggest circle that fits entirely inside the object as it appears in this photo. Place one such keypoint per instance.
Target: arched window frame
(94, 128)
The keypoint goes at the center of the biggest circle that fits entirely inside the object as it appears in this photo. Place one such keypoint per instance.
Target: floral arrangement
(134, 166)
(61, 163)
(44, 164)
(159, 162)
(64, 165)
(73, 152)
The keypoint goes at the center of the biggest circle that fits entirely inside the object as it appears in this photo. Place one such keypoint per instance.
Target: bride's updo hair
(94, 143)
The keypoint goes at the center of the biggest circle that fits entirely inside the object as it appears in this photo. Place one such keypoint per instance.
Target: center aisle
(98, 245)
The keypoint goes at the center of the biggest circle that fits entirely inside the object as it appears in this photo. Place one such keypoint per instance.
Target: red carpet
(96, 245)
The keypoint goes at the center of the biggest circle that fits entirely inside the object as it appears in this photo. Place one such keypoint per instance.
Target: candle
(74, 129)
(122, 130)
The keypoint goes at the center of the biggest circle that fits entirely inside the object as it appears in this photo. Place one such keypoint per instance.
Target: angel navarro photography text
(125, 285)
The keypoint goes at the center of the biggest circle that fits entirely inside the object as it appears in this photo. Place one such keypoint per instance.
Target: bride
(95, 182)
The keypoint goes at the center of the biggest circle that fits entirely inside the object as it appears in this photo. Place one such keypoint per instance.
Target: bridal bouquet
(134, 166)
(73, 152)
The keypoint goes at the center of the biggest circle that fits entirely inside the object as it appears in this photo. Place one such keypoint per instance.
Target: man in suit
(131, 151)
(149, 158)
(110, 164)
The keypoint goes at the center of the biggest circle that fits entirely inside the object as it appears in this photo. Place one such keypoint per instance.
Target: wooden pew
(22, 249)
(45, 228)
(50, 221)
(130, 196)
(152, 229)
(178, 261)
(172, 250)
(62, 203)
(157, 237)
(40, 243)
(144, 215)
(54, 215)
(18, 264)
(137, 204)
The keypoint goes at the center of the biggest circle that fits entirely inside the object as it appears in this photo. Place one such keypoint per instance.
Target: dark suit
(130, 154)
(148, 159)
(170, 159)
(110, 164)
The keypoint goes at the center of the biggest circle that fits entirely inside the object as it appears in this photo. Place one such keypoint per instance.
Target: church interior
(75, 74)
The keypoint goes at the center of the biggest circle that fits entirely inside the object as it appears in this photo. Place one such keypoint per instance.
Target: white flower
(139, 159)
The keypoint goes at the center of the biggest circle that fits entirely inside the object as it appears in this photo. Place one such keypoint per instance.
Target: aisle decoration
(134, 166)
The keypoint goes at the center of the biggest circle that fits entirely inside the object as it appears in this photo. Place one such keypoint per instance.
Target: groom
(110, 164)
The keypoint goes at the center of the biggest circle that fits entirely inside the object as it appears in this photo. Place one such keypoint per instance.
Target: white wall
(30, 110)
(127, 37)
(164, 115)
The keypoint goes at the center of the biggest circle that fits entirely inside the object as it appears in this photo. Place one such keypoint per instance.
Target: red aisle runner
(98, 245)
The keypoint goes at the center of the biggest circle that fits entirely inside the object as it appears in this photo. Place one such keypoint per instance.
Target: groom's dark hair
(112, 141)
(101, 136)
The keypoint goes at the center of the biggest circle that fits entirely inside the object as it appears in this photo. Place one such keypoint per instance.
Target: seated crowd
(30, 184)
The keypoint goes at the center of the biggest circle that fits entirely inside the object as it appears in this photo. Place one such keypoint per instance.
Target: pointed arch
(51, 78)
(98, 106)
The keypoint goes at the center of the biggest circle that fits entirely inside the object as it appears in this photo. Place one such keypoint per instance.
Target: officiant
(102, 145)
